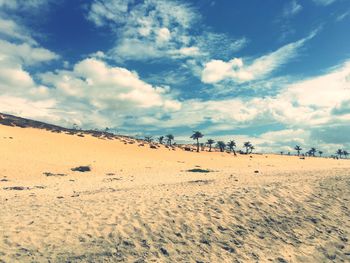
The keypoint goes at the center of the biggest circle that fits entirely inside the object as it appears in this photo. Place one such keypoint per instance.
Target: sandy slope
(142, 205)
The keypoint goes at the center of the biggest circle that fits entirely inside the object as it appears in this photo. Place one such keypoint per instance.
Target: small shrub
(198, 170)
(81, 169)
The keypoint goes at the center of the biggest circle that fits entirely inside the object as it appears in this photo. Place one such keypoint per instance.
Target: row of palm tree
(313, 151)
(230, 146)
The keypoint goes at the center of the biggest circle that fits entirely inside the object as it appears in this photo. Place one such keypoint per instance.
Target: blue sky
(274, 72)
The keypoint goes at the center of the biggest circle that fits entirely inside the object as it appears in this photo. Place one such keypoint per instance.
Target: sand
(139, 204)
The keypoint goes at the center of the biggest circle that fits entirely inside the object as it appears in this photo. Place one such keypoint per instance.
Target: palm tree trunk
(209, 147)
(234, 152)
(197, 145)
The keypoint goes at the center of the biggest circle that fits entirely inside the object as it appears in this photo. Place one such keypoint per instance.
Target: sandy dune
(139, 204)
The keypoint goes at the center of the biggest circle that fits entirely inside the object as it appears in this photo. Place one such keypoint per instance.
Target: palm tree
(195, 136)
(312, 151)
(247, 146)
(210, 142)
(251, 149)
(160, 139)
(320, 153)
(148, 139)
(232, 145)
(340, 153)
(221, 145)
(169, 138)
(345, 153)
(298, 149)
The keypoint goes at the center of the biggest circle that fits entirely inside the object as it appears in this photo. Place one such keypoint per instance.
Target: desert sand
(139, 204)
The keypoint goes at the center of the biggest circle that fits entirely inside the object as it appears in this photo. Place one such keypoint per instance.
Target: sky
(276, 73)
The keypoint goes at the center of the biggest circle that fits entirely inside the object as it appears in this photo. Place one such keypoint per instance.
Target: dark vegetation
(199, 170)
(81, 169)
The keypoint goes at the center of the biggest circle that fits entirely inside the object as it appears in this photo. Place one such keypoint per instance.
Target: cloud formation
(105, 87)
(147, 29)
(217, 70)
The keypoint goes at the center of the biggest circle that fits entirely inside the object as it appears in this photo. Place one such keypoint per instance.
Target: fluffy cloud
(235, 69)
(147, 29)
(153, 29)
(25, 53)
(107, 87)
(28, 108)
(11, 30)
(16, 57)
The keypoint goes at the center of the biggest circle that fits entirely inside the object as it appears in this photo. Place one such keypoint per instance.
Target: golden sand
(139, 204)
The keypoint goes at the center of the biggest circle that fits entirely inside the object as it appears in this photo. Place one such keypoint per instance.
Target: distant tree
(312, 151)
(232, 145)
(169, 138)
(281, 153)
(339, 152)
(196, 136)
(210, 142)
(309, 153)
(221, 145)
(320, 153)
(148, 139)
(247, 146)
(251, 148)
(298, 149)
(161, 139)
(345, 153)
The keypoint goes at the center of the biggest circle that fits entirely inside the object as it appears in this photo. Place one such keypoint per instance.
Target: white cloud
(235, 69)
(155, 29)
(324, 91)
(25, 53)
(107, 87)
(342, 16)
(28, 108)
(13, 77)
(163, 35)
(148, 29)
(16, 57)
(22, 4)
(10, 29)
(292, 8)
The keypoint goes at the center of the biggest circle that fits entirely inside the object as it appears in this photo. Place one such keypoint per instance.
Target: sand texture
(139, 204)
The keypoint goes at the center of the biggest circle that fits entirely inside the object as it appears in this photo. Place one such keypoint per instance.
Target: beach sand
(139, 204)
